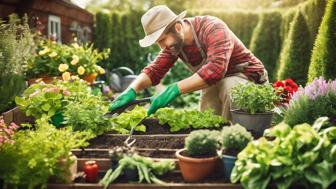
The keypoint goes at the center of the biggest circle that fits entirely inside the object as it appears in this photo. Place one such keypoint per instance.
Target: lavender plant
(315, 100)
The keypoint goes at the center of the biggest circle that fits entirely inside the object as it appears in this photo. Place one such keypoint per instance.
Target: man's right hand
(124, 98)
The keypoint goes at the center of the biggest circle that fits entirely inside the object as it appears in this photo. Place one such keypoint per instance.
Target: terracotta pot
(46, 79)
(196, 169)
(90, 78)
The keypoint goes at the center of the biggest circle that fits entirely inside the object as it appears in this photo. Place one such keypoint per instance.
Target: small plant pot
(91, 78)
(196, 169)
(256, 123)
(228, 163)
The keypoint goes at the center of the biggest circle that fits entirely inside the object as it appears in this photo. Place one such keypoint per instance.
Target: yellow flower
(53, 54)
(80, 70)
(66, 76)
(63, 67)
(74, 60)
(44, 51)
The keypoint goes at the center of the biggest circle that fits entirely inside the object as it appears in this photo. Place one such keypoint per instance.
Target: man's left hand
(164, 98)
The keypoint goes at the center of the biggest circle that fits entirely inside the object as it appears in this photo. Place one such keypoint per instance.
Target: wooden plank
(148, 186)
(8, 117)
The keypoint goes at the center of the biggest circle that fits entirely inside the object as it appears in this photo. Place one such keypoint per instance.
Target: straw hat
(155, 21)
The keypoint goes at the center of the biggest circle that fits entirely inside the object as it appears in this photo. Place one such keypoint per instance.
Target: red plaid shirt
(223, 50)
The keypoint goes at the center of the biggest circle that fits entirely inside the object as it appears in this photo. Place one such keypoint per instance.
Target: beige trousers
(217, 96)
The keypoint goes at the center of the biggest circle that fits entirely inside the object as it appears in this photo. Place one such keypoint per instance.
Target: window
(54, 28)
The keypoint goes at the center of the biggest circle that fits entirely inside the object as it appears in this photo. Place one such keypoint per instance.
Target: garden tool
(130, 140)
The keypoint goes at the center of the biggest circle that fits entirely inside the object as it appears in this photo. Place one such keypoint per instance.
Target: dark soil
(154, 153)
(109, 141)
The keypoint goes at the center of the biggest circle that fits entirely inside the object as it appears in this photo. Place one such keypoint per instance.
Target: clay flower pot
(91, 78)
(196, 169)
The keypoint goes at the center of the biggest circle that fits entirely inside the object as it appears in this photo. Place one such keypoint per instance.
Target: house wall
(67, 12)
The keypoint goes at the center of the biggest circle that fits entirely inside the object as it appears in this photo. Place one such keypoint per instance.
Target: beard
(177, 46)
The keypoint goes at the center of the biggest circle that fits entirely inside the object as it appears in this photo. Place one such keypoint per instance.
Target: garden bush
(315, 100)
(35, 155)
(294, 58)
(235, 138)
(16, 48)
(323, 58)
(266, 41)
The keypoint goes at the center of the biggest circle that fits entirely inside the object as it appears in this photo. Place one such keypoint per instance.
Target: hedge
(294, 58)
(266, 41)
(323, 60)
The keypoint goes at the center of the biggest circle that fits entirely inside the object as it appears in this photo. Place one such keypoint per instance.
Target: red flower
(278, 84)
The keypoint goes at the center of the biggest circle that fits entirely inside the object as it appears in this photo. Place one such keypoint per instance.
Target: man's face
(173, 41)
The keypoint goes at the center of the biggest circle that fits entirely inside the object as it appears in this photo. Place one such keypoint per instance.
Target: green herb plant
(253, 98)
(38, 154)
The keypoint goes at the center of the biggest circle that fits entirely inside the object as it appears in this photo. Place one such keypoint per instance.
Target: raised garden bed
(103, 153)
(170, 141)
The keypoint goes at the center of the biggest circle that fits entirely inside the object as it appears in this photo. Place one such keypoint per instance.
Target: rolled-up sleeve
(219, 47)
(160, 66)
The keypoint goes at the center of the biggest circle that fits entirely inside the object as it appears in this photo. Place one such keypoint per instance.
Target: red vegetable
(91, 171)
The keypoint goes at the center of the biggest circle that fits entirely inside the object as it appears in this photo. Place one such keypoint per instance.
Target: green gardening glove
(164, 98)
(124, 98)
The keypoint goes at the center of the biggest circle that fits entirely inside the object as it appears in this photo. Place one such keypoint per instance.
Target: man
(207, 46)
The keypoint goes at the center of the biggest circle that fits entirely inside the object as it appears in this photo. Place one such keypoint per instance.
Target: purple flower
(319, 87)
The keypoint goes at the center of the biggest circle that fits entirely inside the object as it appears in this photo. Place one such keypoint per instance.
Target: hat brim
(152, 38)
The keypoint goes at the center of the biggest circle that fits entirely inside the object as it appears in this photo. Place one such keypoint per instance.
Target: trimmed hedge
(266, 41)
(265, 33)
(294, 58)
(323, 60)
(242, 23)
(121, 32)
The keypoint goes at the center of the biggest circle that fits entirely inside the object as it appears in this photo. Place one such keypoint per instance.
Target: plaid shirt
(223, 50)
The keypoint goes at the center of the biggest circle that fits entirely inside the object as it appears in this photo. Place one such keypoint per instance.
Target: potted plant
(54, 60)
(199, 157)
(233, 140)
(254, 106)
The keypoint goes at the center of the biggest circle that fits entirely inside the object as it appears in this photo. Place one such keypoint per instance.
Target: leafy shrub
(315, 100)
(87, 114)
(294, 58)
(323, 58)
(235, 138)
(254, 98)
(185, 119)
(16, 47)
(297, 155)
(202, 143)
(35, 155)
(265, 42)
